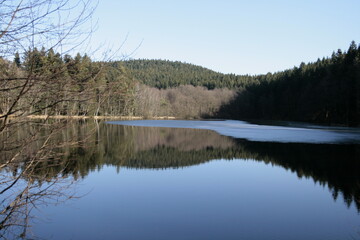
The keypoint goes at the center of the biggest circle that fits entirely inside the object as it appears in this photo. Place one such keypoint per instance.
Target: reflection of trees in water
(31, 173)
(19, 201)
(336, 166)
(182, 139)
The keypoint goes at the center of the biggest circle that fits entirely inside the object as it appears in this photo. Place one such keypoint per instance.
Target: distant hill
(167, 74)
(326, 91)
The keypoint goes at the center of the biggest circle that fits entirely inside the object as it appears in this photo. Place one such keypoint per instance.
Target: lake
(172, 179)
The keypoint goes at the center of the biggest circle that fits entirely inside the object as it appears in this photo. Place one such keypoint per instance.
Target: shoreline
(98, 117)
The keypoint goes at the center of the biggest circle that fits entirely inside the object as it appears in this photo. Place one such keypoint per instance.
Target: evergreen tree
(17, 60)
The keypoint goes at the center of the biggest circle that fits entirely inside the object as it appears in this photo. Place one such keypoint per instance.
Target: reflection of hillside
(336, 166)
(182, 139)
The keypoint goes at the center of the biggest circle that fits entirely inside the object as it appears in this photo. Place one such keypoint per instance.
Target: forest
(164, 74)
(323, 92)
(77, 86)
(326, 92)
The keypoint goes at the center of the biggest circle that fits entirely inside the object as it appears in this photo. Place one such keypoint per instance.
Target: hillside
(164, 74)
(326, 91)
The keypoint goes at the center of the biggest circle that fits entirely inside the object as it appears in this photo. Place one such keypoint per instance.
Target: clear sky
(229, 36)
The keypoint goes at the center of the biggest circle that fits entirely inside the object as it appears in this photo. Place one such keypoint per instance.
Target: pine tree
(17, 60)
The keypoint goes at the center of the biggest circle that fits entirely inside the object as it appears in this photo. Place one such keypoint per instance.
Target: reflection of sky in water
(263, 133)
(218, 200)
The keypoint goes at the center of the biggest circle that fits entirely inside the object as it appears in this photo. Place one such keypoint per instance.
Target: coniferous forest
(326, 91)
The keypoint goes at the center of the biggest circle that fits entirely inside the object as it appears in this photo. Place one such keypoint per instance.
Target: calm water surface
(159, 180)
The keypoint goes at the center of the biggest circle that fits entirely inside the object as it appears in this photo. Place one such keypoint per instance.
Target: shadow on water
(331, 165)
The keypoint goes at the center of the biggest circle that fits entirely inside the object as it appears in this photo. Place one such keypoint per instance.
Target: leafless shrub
(182, 102)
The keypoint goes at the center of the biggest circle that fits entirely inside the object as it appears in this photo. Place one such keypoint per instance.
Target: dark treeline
(335, 166)
(326, 91)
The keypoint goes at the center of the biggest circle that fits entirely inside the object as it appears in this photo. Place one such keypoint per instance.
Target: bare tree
(53, 24)
(184, 101)
(33, 27)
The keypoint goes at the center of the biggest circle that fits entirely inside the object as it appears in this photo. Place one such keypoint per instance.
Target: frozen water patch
(262, 133)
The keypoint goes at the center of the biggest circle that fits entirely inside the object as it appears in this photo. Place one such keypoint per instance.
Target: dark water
(138, 182)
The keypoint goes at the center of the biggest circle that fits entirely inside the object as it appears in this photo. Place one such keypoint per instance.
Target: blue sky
(242, 37)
